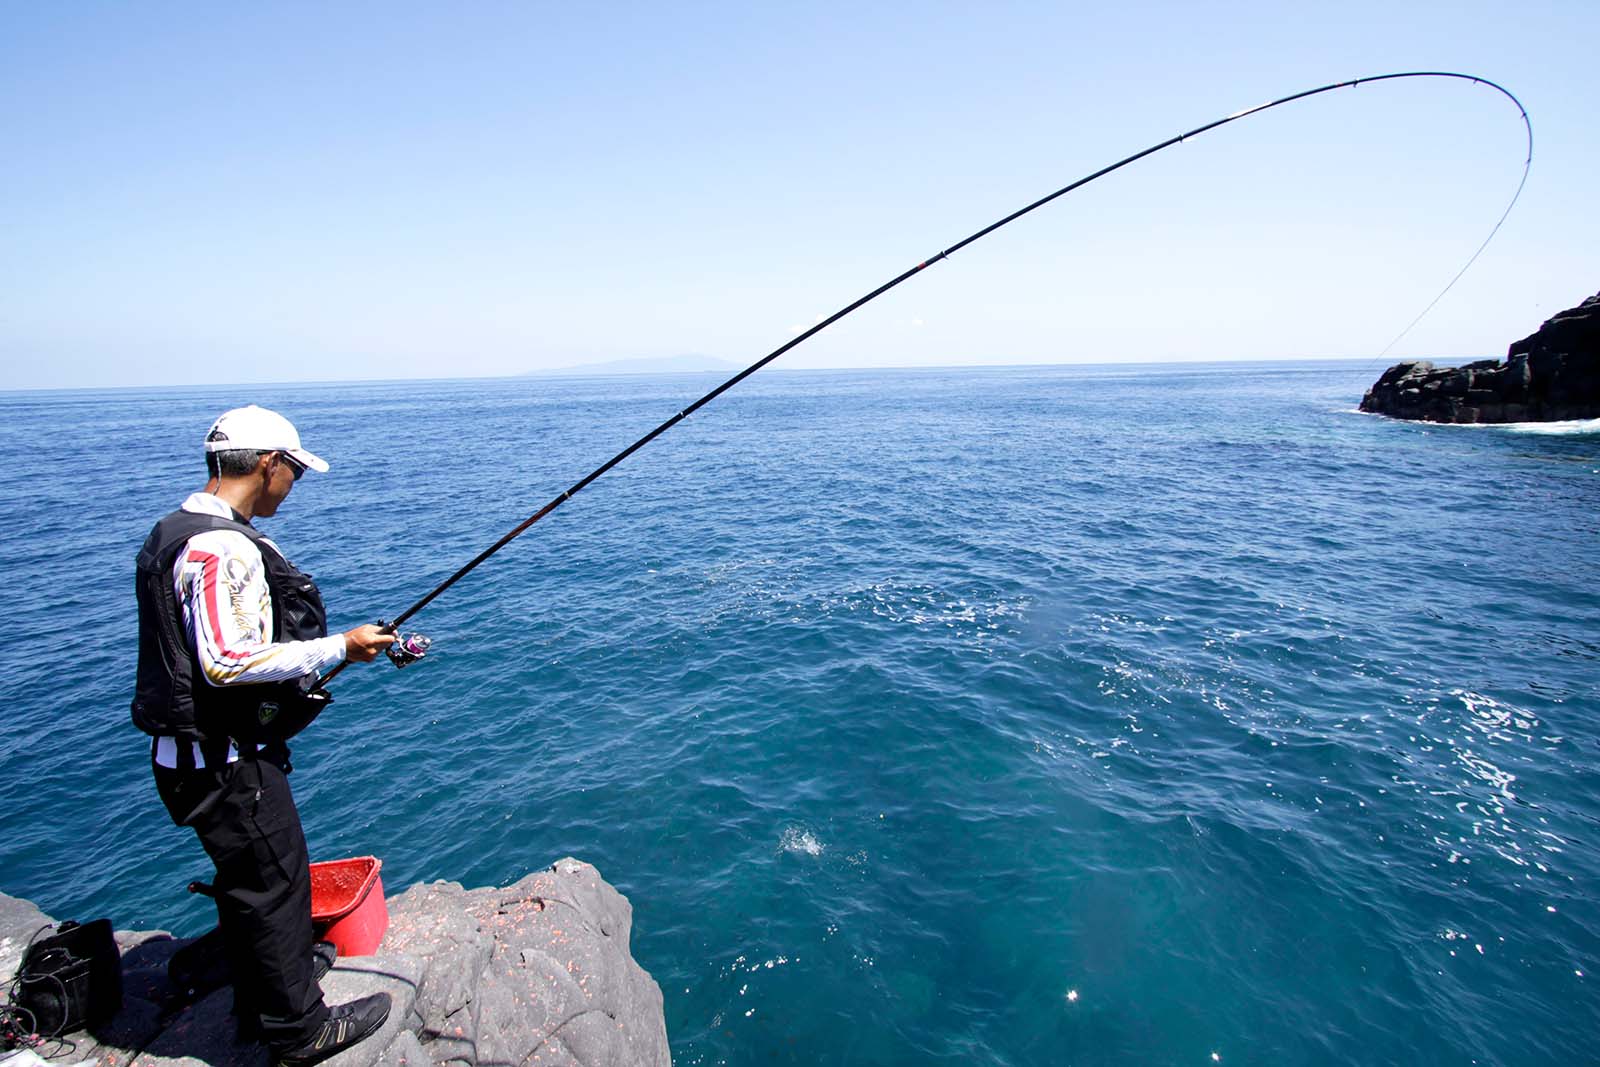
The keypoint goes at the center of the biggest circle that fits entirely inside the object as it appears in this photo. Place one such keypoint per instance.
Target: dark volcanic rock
(536, 973)
(1552, 374)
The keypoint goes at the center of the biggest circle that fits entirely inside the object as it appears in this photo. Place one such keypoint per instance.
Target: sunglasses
(295, 466)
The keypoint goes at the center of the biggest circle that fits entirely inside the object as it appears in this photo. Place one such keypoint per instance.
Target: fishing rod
(409, 648)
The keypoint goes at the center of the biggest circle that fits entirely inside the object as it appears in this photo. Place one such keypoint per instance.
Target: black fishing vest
(172, 697)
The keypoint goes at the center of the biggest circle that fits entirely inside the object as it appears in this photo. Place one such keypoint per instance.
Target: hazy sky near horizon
(287, 192)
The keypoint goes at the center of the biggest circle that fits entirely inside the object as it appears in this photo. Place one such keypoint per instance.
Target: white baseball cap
(259, 430)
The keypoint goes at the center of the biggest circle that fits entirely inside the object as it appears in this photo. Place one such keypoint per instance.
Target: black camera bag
(71, 979)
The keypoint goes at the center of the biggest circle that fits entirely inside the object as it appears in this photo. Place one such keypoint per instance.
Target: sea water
(1090, 715)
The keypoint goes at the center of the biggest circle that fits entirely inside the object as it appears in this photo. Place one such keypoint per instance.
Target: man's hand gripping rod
(403, 651)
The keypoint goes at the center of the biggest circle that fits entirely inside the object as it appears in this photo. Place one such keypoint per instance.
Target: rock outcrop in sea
(1551, 375)
(536, 973)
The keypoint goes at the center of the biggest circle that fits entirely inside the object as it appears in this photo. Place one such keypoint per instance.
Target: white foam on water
(799, 839)
(1562, 428)
(1568, 427)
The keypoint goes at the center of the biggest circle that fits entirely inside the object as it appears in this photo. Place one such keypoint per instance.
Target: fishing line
(412, 647)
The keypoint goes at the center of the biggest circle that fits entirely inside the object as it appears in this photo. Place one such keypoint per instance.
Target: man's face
(282, 472)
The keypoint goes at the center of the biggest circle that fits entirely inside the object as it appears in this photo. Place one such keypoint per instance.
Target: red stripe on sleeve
(209, 593)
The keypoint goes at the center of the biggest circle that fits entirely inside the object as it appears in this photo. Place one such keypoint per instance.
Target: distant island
(1550, 375)
(688, 363)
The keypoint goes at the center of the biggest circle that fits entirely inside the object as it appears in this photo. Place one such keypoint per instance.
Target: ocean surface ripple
(1092, 715)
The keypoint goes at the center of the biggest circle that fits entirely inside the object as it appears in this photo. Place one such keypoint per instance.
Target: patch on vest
(266, 712)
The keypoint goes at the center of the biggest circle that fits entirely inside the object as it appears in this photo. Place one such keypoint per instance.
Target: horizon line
(579, 371)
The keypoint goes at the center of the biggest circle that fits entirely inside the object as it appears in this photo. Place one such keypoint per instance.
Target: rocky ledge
(1553, 374)
(536, 973)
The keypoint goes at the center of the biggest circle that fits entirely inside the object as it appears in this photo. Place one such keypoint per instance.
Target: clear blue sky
(278, 192)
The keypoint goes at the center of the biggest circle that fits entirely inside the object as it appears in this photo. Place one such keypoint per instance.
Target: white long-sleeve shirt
(221, 582)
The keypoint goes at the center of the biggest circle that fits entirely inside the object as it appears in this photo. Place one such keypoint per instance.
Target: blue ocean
(1166, 714)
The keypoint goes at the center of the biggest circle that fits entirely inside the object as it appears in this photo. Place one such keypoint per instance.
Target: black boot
(346, 1025)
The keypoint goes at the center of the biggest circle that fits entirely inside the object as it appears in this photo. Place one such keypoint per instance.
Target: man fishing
(232, 639)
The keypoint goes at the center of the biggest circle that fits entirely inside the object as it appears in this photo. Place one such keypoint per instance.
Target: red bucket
(347, 905)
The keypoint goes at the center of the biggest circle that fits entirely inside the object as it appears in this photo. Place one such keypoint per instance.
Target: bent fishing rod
(409, 648)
